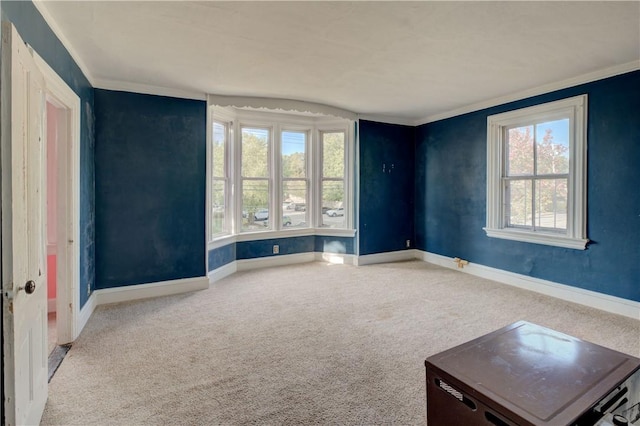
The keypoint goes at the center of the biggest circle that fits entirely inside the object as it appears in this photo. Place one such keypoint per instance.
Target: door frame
(65, 99)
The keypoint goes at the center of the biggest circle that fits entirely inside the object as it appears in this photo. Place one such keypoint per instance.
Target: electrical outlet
(408, 243)
(276, 249)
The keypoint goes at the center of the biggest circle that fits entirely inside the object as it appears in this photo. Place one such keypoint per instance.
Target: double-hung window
(295, 178)
(220, 186)
(536, 174)
(255, 178)
(333, 178)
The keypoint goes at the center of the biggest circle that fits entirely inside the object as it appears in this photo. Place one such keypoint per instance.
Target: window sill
(220, 241)
(538, 238)
(301, 232)
(287, 233)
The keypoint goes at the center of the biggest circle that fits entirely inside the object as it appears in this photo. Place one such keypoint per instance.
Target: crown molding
(387, 119)
(42, 8)
(147, 89)
(551, 87)
(278, 104)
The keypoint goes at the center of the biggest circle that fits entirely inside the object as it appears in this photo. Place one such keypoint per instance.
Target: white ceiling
(407, 60)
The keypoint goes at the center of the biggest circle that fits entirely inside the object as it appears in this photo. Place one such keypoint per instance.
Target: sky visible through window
(293, 142)
(559, 130)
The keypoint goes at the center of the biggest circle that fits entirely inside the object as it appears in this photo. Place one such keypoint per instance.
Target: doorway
(55, 130)
(62, 121)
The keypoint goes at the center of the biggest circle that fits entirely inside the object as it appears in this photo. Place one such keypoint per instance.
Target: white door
(24, 284)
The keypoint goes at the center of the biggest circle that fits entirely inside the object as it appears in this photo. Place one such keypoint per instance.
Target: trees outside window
(255, 180)
(333, 154)
(536, 174)
(279, 174)
(295, 182)
(219, 220)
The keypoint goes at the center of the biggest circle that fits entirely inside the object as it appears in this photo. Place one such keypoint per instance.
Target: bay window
(277, 174)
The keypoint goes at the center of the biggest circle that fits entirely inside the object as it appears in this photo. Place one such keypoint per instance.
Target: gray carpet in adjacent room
(303, 344)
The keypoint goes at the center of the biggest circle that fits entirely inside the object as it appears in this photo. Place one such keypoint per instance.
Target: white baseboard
(144, 291)
(51, 305)
(288, 259)
(85, 313)
(222, 272)
(336, 258)
(604, 302)
(392, 256)
(278, 260)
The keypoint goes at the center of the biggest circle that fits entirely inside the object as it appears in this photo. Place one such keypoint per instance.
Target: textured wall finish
(387, 175)
(150, 177)
(221, 256)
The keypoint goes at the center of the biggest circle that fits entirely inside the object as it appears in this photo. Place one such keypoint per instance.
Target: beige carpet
(303, 344)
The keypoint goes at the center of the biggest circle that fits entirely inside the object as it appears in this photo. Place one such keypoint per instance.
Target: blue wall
(387, 179)
(150, 177)
(36, 32)
(264, 248)
(221, 256)
(451, 182)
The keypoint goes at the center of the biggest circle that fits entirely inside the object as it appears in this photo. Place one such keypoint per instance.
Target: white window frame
(307, 130)
(321, 178)
(575, 109)
(334, 126)
(271, 166)
(278, 122)
(220, 117)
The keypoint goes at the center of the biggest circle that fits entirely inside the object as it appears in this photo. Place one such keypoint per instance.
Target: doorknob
(29, 287)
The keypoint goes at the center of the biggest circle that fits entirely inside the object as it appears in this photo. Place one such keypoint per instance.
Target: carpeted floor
(303, 344)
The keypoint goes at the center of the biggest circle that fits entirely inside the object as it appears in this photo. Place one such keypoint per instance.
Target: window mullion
(275, 177)
(316, 176)
(237, 176)
(533, 181)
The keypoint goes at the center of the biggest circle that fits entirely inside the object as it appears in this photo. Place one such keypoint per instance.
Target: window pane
(255, 152)
(333, 204)
(294, 163)
(551, 203)
(295, 203)
(217, 202)
(552, 145)
(518, 202)
(218, 145)
(520, 151)
(255, 205)
(333, 155)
